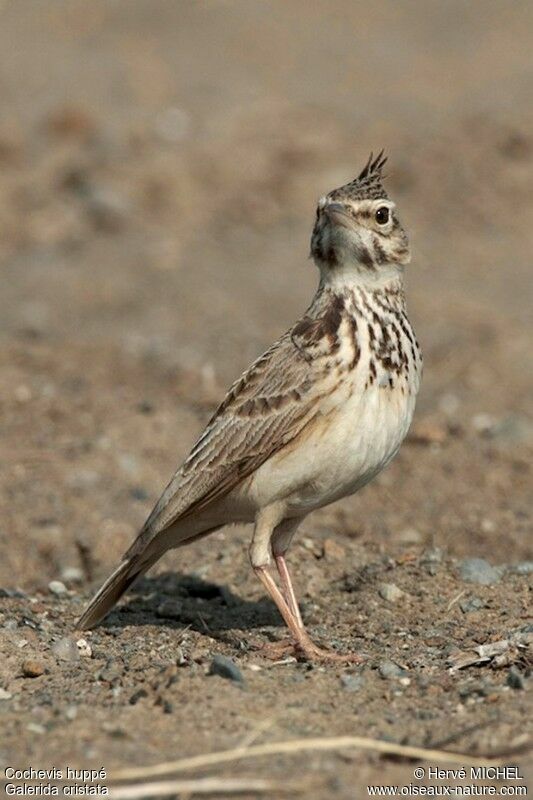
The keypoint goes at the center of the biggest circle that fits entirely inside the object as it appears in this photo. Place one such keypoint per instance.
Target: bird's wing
(265, 409)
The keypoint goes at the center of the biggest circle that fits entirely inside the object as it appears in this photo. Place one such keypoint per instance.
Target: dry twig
(213, 786)
(298, 746)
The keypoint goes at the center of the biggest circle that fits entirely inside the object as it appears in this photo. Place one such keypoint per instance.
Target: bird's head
(357, 232)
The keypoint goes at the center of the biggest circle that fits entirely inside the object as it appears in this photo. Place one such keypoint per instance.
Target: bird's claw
(305, 650)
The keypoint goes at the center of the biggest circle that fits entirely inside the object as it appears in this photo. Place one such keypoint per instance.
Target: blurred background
(160, 164)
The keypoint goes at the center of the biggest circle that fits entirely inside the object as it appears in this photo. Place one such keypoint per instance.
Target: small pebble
(477, 570)
(71, 122)
(469, 688)
(430, 559)
(23, 393)
(138, 493)
(66, 649)
(200, 654)
(515, 679)
(312, 546)
(432, 555)
(138, 695)
(58, 588)
(523, 568)
(471, 604)
(11, 593)
(145, 407)
(225, 668)
(114, 730)
(4, 695)
(32, 669)
(429, 432)
(390, 592)
(84, 648)
(71, 712)
(72, 574)
(83, 478)
(449, 404)
(483, 423)
(110, 673)
(352, 683)
(33, 727)
(410, 536)
(108, 209)
(333, 551)
(514, 428)
(388, 670)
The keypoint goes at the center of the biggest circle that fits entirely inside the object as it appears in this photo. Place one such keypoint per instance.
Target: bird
(314, 419)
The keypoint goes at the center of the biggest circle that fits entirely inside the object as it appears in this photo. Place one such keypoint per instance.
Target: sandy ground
(159, 166)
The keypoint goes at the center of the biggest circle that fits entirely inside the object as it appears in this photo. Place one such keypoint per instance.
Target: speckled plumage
(314, 418)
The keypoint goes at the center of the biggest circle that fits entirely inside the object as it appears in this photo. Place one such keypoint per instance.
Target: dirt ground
(159, 168)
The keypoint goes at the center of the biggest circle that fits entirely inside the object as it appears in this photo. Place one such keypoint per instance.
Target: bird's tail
(114, 587)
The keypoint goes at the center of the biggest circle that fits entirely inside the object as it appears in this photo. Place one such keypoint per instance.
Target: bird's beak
(338, 215)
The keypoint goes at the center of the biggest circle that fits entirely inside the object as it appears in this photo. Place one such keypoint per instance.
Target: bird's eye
(382, 215)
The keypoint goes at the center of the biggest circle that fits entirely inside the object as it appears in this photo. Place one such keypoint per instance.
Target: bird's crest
(367, 185)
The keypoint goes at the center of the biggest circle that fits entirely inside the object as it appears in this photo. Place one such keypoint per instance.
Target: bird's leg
(260, 557)
(281, 540)
(272, 589)
(302, 641)
(288, 589)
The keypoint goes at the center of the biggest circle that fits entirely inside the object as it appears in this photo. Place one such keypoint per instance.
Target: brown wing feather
(263, 411)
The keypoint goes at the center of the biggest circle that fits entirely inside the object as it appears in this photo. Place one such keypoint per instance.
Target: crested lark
(315, 418)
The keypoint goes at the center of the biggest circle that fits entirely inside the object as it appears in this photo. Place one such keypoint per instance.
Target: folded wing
(264, 410)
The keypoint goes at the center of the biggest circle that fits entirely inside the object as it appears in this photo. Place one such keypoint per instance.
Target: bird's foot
(277, 651)
(312, 652)
(318, 654)
(305, 650)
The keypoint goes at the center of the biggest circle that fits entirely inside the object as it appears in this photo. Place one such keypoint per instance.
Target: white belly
(340, 454)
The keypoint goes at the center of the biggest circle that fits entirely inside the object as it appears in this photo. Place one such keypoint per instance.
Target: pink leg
(268, 522)
(299, 634)
(303, 642)
(281, 540)
(288, 589)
